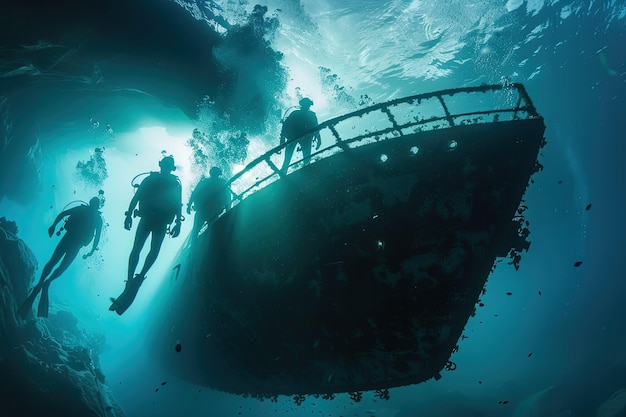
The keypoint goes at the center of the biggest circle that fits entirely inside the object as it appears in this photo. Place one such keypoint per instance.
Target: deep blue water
(571, 57)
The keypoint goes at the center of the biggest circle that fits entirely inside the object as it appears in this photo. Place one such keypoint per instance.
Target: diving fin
(42, 310)
(121, 303)
(27, 305)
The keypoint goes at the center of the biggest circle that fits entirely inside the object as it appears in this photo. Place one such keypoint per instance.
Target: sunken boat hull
(357, 272)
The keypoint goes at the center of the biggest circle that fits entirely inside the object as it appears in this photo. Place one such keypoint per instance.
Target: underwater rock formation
(47, 367)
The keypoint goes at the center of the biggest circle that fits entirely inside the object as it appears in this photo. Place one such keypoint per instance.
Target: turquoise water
(560, 333)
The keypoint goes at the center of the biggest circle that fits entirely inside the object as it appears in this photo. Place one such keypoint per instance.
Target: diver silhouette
(82, 223)
(297, 124)
(209, 199)
(160, 201)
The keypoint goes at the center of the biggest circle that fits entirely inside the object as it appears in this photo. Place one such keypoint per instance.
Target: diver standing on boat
(160, 202)
(209, 199)
(82, 224)
(297, 124)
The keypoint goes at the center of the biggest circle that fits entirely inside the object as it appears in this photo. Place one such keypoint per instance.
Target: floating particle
(178, 347)
(481, 304)
(560, 181)
(480, 382)
(588, 207)
(156, 390)
(503, 402)
(509, 293)
(577, 264)
(530, 354)
(539, 292)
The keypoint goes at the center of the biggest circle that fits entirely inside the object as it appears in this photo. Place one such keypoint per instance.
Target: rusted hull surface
(352, 274)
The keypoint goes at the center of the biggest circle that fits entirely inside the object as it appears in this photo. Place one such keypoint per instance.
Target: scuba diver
(295, 126)
(160, 201)
(209, 199)
(82, 223)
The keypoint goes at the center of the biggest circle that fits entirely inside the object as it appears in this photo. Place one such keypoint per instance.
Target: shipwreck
(359, 269)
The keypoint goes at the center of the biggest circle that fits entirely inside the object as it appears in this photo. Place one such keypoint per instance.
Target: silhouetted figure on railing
(209, 199)
(160, 202)
(82, 224)
(295, 126)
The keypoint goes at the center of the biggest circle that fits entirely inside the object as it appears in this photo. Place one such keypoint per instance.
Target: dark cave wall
(65, 62)
(47, 366)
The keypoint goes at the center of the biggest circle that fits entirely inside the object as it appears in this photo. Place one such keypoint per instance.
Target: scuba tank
(66, 207)
(288, 112)
(100, 197)
(135, 183)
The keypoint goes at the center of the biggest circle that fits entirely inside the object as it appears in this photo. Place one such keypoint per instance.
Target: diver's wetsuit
(160, 200)
(210, 197)
(299, 122)
(81, 225)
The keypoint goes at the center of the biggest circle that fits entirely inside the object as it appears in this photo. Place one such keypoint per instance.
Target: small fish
(588, 207)
(509, 293)
(156, 390)
(577, 264)
(530, 354)
(480, 382)
(539, 292)
(178, 347)
(164, 382)
(560, 182)
(481, 304)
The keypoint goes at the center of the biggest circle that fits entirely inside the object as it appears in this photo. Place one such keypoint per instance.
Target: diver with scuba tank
(160, 202)
(299, 125)
(82, 224)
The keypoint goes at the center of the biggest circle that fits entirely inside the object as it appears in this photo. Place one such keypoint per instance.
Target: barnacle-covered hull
(357, 272)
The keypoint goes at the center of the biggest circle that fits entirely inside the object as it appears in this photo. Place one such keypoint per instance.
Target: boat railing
(391, 120)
